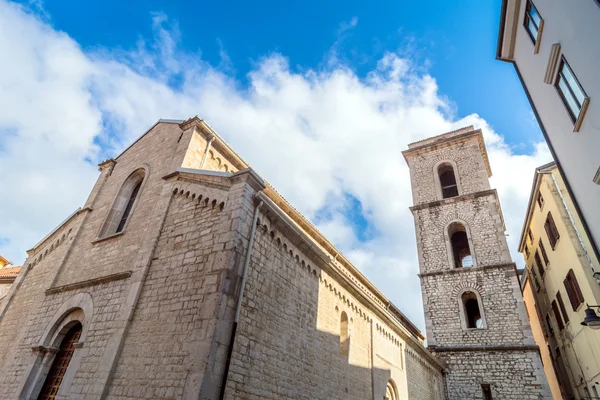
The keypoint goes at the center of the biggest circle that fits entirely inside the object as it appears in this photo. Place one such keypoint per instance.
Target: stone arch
(457, 247)
(77, 310)
(125, 202)
(391, 391)
(471, 309)
(438, 183)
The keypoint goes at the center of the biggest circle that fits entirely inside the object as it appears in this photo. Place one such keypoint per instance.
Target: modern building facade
(186, 276)
(553, 46)
(564, 275)
(475, 317)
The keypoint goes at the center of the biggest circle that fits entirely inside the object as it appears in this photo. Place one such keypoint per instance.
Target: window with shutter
(557, 316)
(563, 310)
(543, 250)
(551, 230)
(538, 264)
(573, 291)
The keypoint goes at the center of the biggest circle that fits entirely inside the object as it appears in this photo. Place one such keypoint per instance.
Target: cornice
(453, 271)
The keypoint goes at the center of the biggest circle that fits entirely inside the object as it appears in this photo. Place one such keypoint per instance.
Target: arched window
(390, 391)
(447, 181)
(344, 335)
(60, 363)
(472, 312)
(461, 251)
(121, 210)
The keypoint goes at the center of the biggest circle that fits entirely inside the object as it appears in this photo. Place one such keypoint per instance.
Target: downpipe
(238, 308)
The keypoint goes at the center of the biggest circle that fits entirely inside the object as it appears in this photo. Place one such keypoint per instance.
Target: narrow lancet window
(447, 181)
(344, 335)
(121, 209)
(472, 312)
(461, 251)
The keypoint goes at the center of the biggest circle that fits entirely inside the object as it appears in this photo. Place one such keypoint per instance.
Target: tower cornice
(449, 139)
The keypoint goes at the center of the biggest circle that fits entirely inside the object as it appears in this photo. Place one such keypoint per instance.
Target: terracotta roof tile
(9, 272)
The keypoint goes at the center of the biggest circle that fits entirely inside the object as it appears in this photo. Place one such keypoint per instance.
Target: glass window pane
(571, 103)
(535, 16)
(532, 28)
(572, 81)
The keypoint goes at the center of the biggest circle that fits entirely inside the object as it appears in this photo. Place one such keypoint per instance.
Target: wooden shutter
(543, 250)
(539, 264)
(551, 230)
(573, 291)
(562, 307)
(557, 316)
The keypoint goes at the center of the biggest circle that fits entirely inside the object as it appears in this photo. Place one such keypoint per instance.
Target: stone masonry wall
(19, 326)
(167, 345)
(288, 339)
(504, 325)
(424, 381)
(90, 259)
(469, 174)
(512, 375)
(481, 217)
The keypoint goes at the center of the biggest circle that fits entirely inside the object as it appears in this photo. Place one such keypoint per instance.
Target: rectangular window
(526, 252)
(540, 200)
(573, 291)
(532, 21)
(538, 264)
(570, 90)
(551, 230)
(535, 280)
(543, 250)
(549, 325)
(530, 235)
(557, 316)
(563, 310)
(487, 391)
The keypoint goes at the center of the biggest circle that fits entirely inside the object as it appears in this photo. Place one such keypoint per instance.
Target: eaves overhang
(535, 188)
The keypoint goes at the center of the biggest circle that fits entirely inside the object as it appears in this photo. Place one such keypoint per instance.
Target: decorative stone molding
(89, 282)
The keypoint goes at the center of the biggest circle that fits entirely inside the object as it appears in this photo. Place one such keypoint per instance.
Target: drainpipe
(238, 309)
(205, 156)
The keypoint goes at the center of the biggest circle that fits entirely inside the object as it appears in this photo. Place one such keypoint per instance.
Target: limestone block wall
(91, 259)
(424, 381)
(470, 170)
(512, 375)
(288, 339)
(501, 303)
(482, 218)
(168, 343)
(23, 307)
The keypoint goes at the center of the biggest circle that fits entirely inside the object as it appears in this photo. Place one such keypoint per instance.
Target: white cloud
(328, 134)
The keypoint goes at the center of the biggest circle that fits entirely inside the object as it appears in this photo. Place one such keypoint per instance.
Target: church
(185, 275)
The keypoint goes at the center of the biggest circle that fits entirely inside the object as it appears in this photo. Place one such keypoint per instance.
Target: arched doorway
(60, 363)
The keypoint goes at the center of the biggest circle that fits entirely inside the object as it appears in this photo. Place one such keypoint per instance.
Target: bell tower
(475, 318)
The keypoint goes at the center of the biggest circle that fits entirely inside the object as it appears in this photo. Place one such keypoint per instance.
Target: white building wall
(575, 25)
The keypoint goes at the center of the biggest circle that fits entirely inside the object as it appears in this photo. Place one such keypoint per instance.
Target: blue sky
(320, 99)
(455, 40)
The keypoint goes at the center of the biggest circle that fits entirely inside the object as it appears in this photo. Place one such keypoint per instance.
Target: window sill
(475, 329)
(579, 119)
(114, 235)
(538, 40)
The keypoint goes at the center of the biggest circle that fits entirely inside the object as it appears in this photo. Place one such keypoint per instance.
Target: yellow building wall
(538, 336)
(579, 345)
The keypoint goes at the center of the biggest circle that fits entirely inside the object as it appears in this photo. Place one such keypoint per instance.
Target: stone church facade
(186, 276)
(179, 248)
